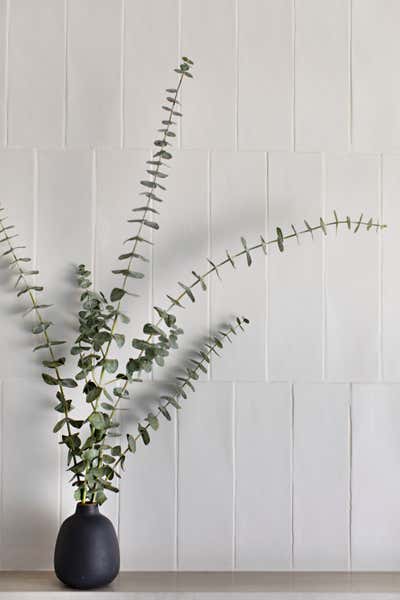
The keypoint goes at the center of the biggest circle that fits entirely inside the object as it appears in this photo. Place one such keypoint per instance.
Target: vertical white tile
(3, 70)
(118, 174)
(36, 73)
(295, 276)
(322, 75)
(375, 485)
(263, 476)
(265, 73)
(376, 86)
(238, 207)
(352, 188)
(321, 477)
(16, 196)
(147, 71)
(148, 501)
(94, 73)
(64, 237)
(205, 480)
(391, 285)
(30, 477)
(181, 246)
(208, 38)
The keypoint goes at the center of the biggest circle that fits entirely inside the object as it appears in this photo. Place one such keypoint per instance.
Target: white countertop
(193, 586)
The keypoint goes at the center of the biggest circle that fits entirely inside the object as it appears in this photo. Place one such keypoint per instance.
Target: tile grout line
(179, 139)
(350, 74)
(236, 125)
(122, 74)
(324, 270)
(177, 512)
(292, 475)
(94, 214)
(380, 272)
(294, 75)
(152, 269)
(209, 250)
(266, 324)
(350, 425)
(65, 115)
(234, 480)
(2, 520)
(6, 73)
(35, 205)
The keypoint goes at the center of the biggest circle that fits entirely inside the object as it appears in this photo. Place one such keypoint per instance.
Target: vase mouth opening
(87, 508)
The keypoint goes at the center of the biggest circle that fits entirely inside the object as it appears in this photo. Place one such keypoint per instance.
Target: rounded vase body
(87, 552)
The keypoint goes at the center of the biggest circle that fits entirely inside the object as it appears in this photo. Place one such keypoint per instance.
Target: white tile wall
(353, 294)
(295, 307)
(321, 479)
(322, 85)
(287, 455)
(36, 72)
(264, 103)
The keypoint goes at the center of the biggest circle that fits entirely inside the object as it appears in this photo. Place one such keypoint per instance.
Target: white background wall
(288, 456)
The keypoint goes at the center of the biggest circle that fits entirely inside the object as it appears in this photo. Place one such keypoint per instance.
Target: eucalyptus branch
(96, 455)
(191, 374)
(150, 185)
(42, 328)
(278, 241)
(247, 252)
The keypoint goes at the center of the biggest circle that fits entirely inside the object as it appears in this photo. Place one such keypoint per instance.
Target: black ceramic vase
(87, 551)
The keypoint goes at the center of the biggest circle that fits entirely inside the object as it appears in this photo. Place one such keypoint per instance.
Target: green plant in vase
(87, 553)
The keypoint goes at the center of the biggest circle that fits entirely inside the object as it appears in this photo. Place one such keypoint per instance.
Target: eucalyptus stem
(44, 333)
(247, 251)
(178, 392)
(140, 227)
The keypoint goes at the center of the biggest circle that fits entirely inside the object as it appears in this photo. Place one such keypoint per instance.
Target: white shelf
(24, 585)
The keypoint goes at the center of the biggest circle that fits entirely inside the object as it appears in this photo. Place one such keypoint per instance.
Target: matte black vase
(87, 551)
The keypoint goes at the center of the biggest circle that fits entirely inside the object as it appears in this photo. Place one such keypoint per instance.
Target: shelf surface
(221, 585)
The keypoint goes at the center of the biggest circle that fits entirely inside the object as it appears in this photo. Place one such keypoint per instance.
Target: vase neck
(87, 509)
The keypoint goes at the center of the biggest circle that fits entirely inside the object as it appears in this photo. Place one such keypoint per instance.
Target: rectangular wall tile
(376, 87)
(321, 477)
(295, 277)
(352, 267)
(238, 207)
(94, 73)
(181, 246)
(322, 75)
(208, 38)
(263, 493)
(147, 71)
(205, 480)
(30, 485)
(391, 283)
(3, 45)
(118, 174)
(16, 196)
(148, 500)
(64, 236)
(36, 73)
(265, 83)
(375, 485)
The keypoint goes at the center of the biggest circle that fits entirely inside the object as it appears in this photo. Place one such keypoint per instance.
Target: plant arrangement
(96, 451)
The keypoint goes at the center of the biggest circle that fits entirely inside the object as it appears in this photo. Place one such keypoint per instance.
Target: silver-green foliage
(96, 451)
